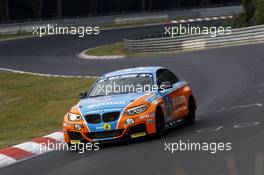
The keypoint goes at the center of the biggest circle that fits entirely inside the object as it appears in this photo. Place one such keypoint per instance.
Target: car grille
(111, 116)
(93, 118)
(106, 117)
(137, 129)
(104, 134)
(75, 135)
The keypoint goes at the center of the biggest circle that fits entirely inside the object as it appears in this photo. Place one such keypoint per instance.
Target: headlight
(74, 117)
(137, 110)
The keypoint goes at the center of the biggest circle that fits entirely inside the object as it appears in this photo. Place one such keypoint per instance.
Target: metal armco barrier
(239, 36)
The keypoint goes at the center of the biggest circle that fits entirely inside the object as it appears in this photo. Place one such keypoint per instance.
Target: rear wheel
(190, 118)
(160, 124)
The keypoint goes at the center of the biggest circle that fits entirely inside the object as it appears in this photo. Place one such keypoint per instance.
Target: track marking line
(241, 106)
(44, 75)
(211, 129)
(243, 125)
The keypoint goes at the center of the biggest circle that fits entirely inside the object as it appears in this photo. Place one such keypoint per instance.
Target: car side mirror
(165, 85)
(83, 94)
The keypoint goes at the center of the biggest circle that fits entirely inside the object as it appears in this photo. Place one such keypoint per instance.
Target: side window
(171, 77)
(165, 75)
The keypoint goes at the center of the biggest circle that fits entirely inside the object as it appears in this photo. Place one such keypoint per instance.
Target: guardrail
(123, 18)
(195, 42)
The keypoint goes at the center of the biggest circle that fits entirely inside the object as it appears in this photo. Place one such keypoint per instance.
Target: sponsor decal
(168, 105)
(75, 141)
(147, 115)
(99, 127)
(180, 100)
(106, 103)
(180, 103)
(107, 126)
(138, 134)
(150, 121)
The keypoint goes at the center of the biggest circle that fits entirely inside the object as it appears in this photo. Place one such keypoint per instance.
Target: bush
(253, 14)
(259, 12)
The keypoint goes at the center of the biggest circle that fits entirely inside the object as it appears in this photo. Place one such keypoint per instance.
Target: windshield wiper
(96, 96)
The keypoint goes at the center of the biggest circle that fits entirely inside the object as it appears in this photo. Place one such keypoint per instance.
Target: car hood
(108, 102)
(105, 104)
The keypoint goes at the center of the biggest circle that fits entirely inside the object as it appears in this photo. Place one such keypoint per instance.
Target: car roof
(135, 70)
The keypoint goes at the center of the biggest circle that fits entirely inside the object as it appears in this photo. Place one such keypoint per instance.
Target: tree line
(253, 14)
(41, 9)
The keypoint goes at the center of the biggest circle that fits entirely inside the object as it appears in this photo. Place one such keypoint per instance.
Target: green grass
(111, 49)
(32, 106)
(118, 49)
(13, 36)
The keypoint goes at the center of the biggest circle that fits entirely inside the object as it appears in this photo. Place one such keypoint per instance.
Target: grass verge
(119, 49)
(13, 36)
(32, 106)
(111, 49)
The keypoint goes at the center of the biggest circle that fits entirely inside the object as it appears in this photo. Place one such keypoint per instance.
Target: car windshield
(129, 83)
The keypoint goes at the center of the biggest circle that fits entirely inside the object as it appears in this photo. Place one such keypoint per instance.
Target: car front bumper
(142, 127)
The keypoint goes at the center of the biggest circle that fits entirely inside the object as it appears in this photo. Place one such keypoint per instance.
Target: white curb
(6, 160)
(82, 55)
(31, 148)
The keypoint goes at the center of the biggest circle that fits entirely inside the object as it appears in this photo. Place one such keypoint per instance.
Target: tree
(59, 9)
(259, 12)
(253, 14)
(37, 6)
(4, 10)
(93, 7)
(143, 5)
(2, 15)
(150, 5)
(249, 7)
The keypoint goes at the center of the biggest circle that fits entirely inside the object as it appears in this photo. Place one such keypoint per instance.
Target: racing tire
(160, 124)
(190, 118)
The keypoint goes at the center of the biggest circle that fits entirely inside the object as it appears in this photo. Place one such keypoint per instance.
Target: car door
(173, 97)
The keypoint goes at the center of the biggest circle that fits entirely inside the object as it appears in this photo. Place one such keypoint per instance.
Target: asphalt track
(227, 82)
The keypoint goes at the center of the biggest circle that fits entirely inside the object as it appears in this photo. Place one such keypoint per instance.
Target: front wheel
(160, 124)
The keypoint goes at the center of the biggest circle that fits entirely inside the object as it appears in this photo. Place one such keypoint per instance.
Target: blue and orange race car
(130, 103)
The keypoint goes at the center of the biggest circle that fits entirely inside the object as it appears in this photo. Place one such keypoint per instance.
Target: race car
(130, 103)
